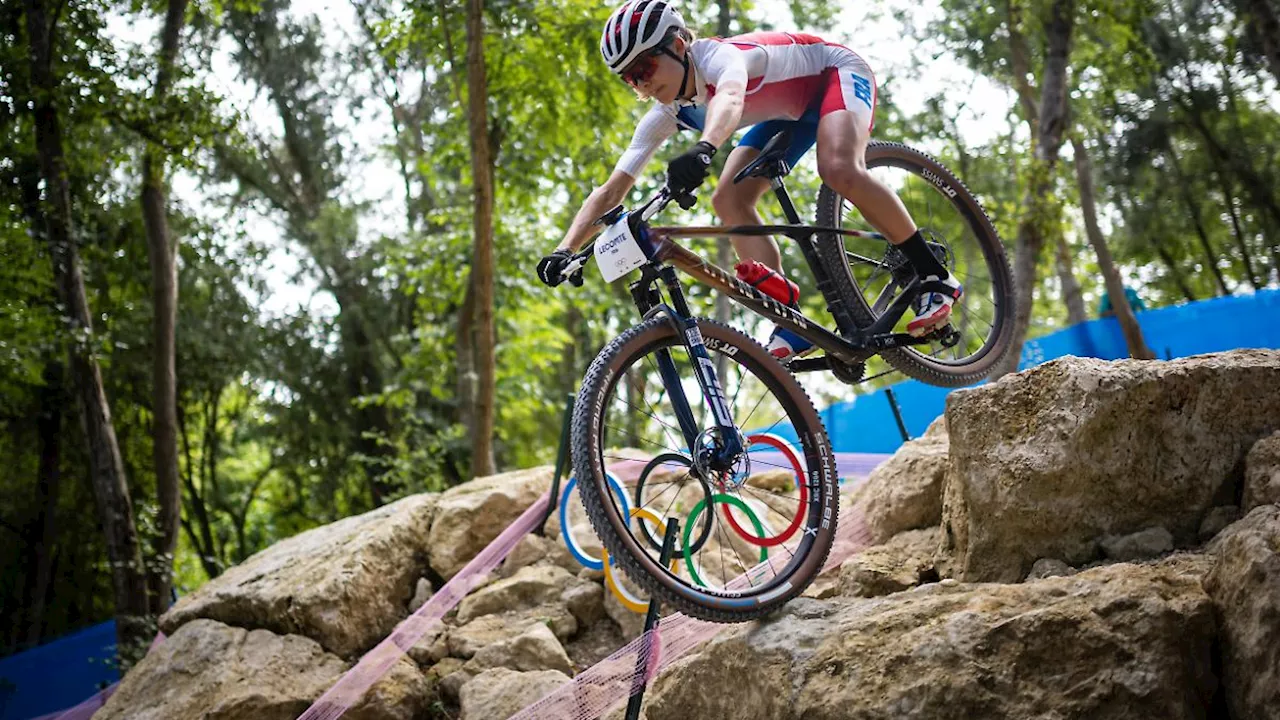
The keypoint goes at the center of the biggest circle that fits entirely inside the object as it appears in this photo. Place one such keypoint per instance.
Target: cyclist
(821, 91)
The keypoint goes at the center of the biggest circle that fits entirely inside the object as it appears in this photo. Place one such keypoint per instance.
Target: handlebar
(656, 204)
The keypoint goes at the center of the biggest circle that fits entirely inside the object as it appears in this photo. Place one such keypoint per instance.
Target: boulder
(345, 585)
(1138, 546)
(1217, 520)
(471, 515)
(1049, 567)
(501, 693)
(1245, 587)
(903, 562)
(432, 647)
(1262, 473)
(210, 670)
(538, 550)
(528, 587)
(464, 641)
(1114, 643)
(537, 648)
(1047, 462)
(905, 491)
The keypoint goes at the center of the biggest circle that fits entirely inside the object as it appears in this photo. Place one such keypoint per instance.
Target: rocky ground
(1086, 539)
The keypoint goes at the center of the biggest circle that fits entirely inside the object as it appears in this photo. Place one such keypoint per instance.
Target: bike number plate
(618, 252)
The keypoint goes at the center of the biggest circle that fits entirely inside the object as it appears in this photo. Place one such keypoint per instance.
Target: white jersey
(785, 75)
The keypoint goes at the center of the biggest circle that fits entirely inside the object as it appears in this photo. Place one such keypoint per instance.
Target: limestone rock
(345, 585)
(450, 676)
(903, 562)
(432, 647)
(779, 481)
(905, 491)
(1119, 642)
(535, 649)
(1049, 567)
(500, 693)
(1046, 462)
(538, 550)
(1138, 546)
(471, 515)
(422, 592)
(210, 670)
(528, 587)
(1262, 473)
(465, 641)
(404, 693)
(1245, 586)
(1217, 520)
(586, 601)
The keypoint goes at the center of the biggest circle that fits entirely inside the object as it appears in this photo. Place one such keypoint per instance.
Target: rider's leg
(842, 164)
(842, 144)
(736, 205)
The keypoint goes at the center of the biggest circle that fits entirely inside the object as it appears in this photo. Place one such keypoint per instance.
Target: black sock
(921, 257)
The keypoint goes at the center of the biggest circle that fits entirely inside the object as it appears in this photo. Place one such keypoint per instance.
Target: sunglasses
(643, 68)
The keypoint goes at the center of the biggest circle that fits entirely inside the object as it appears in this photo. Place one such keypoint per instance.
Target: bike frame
(858, 345)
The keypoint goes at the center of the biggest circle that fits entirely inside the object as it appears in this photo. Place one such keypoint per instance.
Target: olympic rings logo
(732, 507)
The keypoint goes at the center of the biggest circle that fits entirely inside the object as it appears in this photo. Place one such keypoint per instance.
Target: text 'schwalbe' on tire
(958, 229)
(624, 417)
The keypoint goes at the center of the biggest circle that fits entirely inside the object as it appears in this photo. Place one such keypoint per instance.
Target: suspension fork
(648, 302)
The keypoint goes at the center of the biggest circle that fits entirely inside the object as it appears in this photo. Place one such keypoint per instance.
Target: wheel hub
(728, 473)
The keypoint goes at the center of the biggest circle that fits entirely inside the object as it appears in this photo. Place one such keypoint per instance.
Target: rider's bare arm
(724, 112)
(602, 200)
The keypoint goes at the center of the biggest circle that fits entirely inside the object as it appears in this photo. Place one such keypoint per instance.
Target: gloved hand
(686, 171)
(551, 267)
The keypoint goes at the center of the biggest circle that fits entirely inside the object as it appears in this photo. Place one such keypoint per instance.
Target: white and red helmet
(637, 27)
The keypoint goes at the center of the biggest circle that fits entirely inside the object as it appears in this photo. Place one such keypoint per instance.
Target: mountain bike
(713, 431)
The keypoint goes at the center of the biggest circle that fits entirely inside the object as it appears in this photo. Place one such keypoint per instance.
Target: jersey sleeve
(721, 63)
(655, 128)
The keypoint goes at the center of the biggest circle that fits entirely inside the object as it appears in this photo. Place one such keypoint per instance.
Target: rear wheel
(870, 274)
(751, 537)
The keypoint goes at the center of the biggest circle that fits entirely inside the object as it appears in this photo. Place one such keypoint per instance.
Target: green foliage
(283, 127)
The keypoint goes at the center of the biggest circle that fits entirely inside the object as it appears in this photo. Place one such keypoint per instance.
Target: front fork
(727, 447)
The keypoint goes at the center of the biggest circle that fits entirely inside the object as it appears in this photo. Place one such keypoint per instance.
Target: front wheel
(869, 275)
(751, 537)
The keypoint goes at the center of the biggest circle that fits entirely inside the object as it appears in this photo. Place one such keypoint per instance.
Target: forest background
(266, 264)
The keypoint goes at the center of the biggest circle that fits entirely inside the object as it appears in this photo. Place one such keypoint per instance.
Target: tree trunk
(1129, 327)
(1072, 295)
(1040, 210)
(49, 476)
(482, 262)
(106, 467)
(164, 298)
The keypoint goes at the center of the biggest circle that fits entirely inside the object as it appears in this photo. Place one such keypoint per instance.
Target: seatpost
(784, 199)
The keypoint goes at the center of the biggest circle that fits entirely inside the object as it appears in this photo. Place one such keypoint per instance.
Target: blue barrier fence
(866, 424)
(66, 671)
(58, 674)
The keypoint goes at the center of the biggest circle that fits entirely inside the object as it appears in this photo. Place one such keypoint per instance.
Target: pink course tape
(596, 690)
(86, 709)
(377, 662)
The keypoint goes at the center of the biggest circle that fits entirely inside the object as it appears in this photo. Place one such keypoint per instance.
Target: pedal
(946, 335)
